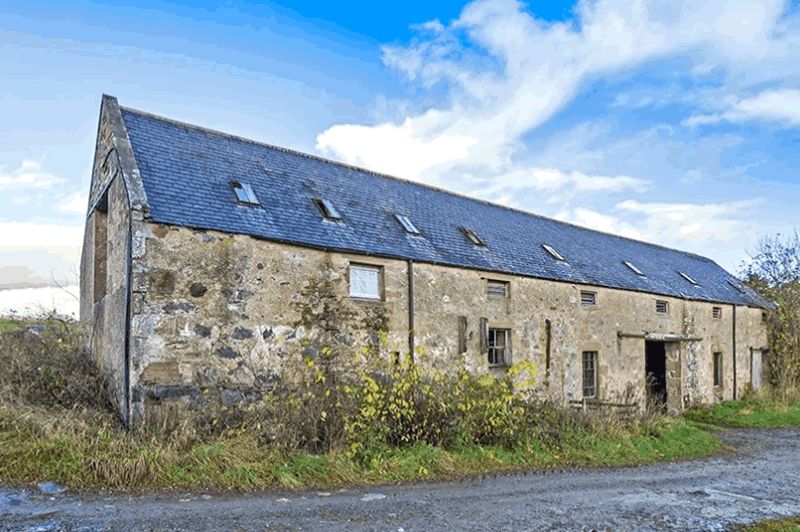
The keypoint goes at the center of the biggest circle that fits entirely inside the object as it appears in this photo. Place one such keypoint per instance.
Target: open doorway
(655, 371)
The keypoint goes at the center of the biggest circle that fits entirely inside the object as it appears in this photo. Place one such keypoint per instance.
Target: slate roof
(187, 171)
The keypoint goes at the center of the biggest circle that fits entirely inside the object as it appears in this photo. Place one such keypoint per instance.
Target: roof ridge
(320, 158)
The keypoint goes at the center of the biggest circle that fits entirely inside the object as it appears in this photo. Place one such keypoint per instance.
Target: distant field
(9, 325)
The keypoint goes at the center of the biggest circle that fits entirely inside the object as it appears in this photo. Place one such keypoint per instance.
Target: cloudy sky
(673, 122)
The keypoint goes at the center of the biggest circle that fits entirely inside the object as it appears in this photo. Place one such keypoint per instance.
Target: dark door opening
(655, 371)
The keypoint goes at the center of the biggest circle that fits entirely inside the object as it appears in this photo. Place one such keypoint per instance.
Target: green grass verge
(791, 524)
(9, 325)
(748, 414)
(84, 453)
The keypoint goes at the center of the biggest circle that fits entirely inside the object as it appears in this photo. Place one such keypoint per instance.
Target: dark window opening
(655, 372)
(717, 370)
(100, 218)
(244, 193)
(588, 299)
(499, 347)
(590, 374)
(473, 236)
(496, 289)
(327, 209)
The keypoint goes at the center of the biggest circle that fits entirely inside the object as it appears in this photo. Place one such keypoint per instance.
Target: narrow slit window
(496, 289)
(588, 299)
(473, 236)
(717, 370)
(716, 312)
(407, 224)
(553, 253)
(633, 268)
(662, 307)
(590, 374)
(244, 193)
(688, 278)
(327, 209)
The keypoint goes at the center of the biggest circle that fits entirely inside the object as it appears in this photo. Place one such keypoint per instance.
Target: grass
(791, 524)
(9, 325)
(749, 414)
(82, 450)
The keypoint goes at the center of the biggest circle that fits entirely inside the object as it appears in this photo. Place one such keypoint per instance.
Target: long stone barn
(202, 251)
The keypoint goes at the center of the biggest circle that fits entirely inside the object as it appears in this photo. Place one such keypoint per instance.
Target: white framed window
(407, 224)
(499, 344)
(553, 253)
(688, 277)
(633, 268)
(366, 281)
(244, 193)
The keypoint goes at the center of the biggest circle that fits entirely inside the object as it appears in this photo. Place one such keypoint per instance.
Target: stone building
(203, 254)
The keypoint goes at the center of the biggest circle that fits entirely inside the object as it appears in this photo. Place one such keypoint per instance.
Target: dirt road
(760, 480)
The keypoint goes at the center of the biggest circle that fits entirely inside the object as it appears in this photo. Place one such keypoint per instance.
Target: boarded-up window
(365, 281)
(717, 370)
(496, 289)
(662, 307)
(462, 334)
(483, 327)
(100, 254)
(590, 374)
(588, 299)
(499, 347)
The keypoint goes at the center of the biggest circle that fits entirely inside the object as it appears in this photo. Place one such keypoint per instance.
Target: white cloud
(779, 105)
(27, 235)
(28, 173)
(40, 301)
(601, 222)
(50, 252)
(73, 204)
(515, 72)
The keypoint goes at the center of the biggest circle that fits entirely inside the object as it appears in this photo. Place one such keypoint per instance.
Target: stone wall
(217, 316)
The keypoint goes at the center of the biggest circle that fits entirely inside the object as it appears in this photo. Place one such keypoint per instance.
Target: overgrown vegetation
(400, 424)
(791, 524)
(774, 271)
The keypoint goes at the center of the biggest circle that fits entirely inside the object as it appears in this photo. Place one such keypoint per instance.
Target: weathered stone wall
(216, 315)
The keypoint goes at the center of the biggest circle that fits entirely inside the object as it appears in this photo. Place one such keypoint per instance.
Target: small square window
(588, 299)
(553, 253)
(497, 289)
(472, 236)
(244, 193)
(590, 374)
(499, 344)
(407, 224)
(365, 281)
(716, 313)
(327, 209)
(717, 370)
(662, 307)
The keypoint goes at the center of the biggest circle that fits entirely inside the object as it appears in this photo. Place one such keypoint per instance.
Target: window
(633, 268)
(716, 313)
(717, 370)
(764, 316)
(365, 281)
(407, 224)
(327, 209)
(588, 299)
(736, 285)
(590, 374)
(244, 193)
(662, 307)
(688, 278)
(100, 250)
(472, 236)
(499, 344)
(553, 253)
(496, 289)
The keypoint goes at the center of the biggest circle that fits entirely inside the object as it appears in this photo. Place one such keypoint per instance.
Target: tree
(774, 270)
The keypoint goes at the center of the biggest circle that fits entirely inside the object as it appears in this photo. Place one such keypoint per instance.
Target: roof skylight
(633, 268)
(555, 254)
(327, 209)
(473, 236)
(688, 278)
(737, 286)
(244, 193)
(407, 224)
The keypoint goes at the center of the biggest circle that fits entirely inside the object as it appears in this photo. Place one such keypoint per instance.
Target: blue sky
(673, 122)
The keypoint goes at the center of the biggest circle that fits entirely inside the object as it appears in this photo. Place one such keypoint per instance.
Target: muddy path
(760, 480)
